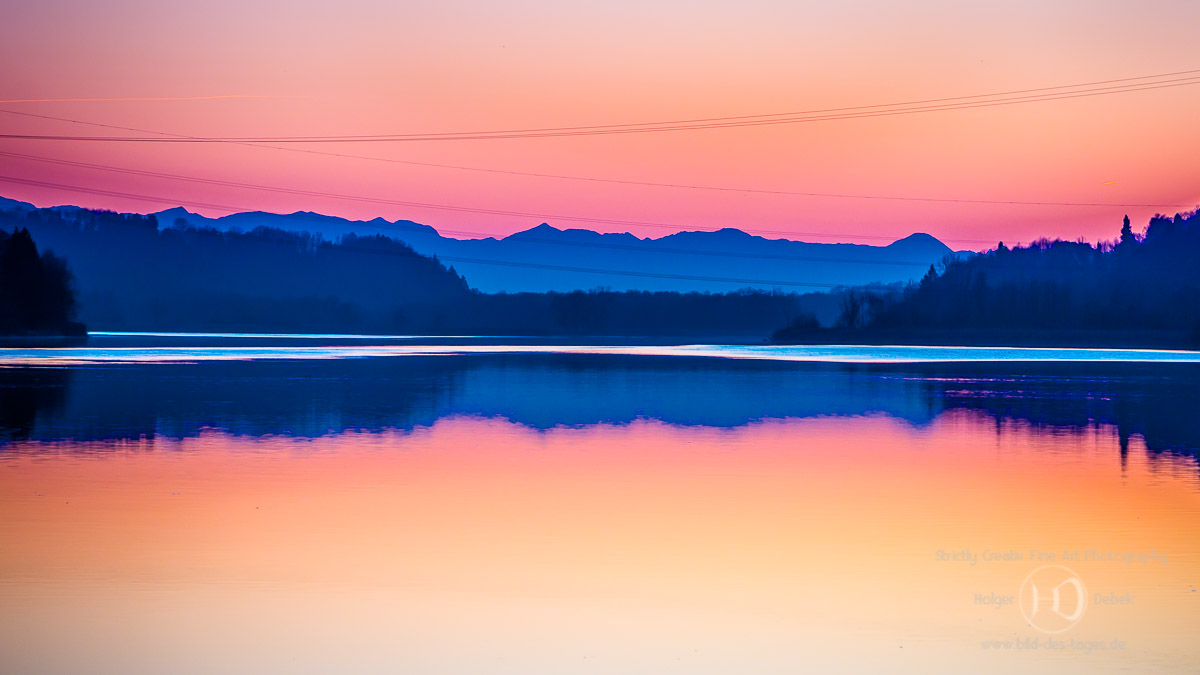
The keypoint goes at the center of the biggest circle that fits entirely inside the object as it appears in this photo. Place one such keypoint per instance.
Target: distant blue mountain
(14, 205)
(545, 258)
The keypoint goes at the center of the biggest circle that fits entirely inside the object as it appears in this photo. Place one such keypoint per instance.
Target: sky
(373, 67)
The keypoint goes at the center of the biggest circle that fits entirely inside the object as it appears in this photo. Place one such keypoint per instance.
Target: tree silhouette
(851, 309)
(1136, 291)
(1128, 238)
(35, 289)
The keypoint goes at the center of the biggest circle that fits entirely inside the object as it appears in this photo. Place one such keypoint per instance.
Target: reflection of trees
(1157, 402)
(26, 394)
(313, 398)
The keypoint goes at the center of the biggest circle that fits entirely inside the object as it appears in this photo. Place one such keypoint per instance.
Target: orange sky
(381, 67)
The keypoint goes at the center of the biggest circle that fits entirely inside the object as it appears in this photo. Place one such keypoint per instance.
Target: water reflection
(550, 513)
(28, 395)
(1157, 403)
(477, 545)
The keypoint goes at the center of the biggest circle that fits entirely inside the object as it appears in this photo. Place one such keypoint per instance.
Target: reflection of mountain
(314, 398)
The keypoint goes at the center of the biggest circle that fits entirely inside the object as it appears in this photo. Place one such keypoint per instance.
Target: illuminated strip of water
(810, 353)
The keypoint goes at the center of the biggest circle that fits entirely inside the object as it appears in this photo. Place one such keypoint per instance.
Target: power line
(916, 102)
(1191, 73)
(567, 268)
(1010, 202)
(376, 200)
(882, 110)
(587, 270)
(657, 275)
(445, 207)
(721, 254)
(113, 193)
(132, 99)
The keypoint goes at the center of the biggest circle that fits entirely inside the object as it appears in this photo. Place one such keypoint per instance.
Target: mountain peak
(543, 230)
(920, 241)
(732, 232)
(918, 237)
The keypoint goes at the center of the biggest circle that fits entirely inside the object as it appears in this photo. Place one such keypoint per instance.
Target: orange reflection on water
(484, 546)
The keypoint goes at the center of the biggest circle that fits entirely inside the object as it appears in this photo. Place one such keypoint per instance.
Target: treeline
(132, 274)
(135, 275)
(604, 312)
(1137, 289)
(36, 294)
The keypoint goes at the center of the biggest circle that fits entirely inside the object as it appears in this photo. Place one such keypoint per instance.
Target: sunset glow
(537, 337)
(276, 69)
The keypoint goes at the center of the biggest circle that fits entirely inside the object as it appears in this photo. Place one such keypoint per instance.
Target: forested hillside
(1140, 284)
(133, 274)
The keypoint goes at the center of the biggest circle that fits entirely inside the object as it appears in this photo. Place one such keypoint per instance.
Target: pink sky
(382, 67)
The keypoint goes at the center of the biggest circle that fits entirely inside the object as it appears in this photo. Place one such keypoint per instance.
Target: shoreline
(1050, 339)
(41, 341)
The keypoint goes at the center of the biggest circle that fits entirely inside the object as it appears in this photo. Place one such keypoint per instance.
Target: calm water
(274, 504)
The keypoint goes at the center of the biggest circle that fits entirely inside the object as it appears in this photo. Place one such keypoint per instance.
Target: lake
(309, 504)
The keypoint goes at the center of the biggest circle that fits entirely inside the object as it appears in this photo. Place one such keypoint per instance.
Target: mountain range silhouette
(754, 261)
